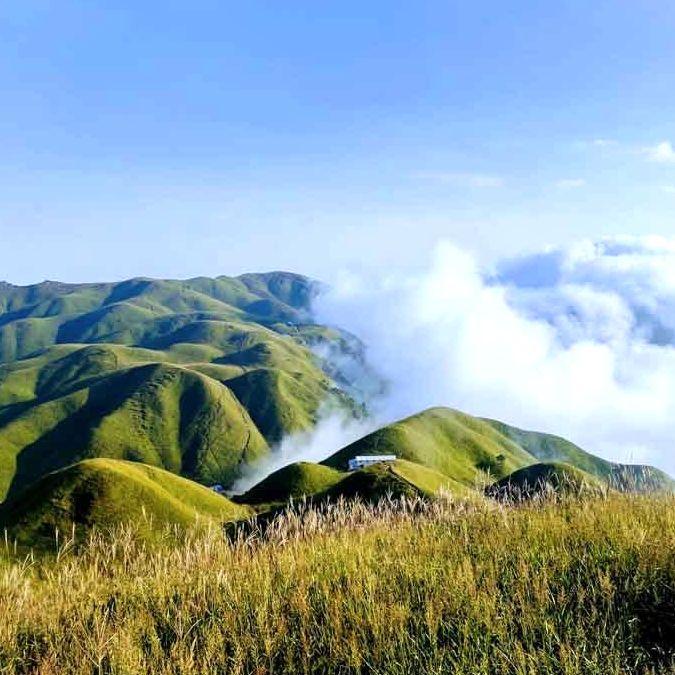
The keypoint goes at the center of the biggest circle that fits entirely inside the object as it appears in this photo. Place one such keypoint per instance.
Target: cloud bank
(578, 341)
(332, 432)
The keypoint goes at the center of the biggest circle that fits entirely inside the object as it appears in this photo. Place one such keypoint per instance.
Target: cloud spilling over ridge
(578, 341)
(332, 432)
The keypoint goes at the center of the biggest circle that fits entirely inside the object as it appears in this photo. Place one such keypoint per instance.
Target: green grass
(133, 311)
(452, 443)
(427, 481)
(190, 376)
(550, 448)
(538, 480)
(319, 482)
(159, 414)
(562, 587)
(106, 492)
(470, 450)
(292, 482)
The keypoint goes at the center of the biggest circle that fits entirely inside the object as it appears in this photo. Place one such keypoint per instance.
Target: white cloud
(578, 341)
(570, 183)
(468, 180)
(668, 189)
(604, 142)
(332, 432)
(661, 152)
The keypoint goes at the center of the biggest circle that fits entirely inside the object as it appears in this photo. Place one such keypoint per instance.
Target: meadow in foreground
(567, 585)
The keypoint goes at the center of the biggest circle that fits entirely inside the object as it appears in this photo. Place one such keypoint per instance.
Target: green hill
(469, 449)
(138, 310)
(202, 377)
(540, 479)
(198, 377)
(305, 479)
(159, 414)
(550, 448)
(292, 482)
(106, 492)
(454, 444)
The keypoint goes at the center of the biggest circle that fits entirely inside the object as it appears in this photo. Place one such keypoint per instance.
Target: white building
(360, 461)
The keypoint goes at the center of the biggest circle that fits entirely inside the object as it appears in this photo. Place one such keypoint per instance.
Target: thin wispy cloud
(463, 179)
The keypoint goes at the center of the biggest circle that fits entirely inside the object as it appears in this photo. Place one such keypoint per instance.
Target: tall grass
(404, 586)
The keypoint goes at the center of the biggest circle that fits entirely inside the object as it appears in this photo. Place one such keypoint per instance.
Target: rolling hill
(106, 492)
(444, 449)
(318, 482)
(543, 478)
(470, 450)
(198, 377)
(119, 399)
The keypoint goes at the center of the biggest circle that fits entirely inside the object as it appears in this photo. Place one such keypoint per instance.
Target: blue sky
(178, 139)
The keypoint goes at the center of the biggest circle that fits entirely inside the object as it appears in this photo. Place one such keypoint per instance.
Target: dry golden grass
(406, 586)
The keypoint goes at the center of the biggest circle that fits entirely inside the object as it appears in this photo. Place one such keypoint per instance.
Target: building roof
(373, 458)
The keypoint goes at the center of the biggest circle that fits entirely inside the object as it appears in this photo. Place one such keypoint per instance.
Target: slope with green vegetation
(471, 450)
(293, 481)
(541, 480)
(323, 483)
(550, 448)
(159, 414)
(141, 310)
(102, 493)
(563, 586)
(199, 377)
(452, 443)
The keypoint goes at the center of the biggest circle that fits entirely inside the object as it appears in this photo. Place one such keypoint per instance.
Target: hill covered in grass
(142, 311)
(444, 450)
(405, 586)
(102, 493)
(542, 480)
(199, 377)
(319, 482)
(469, 450)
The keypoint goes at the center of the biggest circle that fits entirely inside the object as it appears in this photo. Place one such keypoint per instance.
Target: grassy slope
(159, 414)
(464, 448)
(550, 448)
(543, 478)
(138, 310)
(306, 479)
(454, 444)
(292, 482)
(105, 492)
(207, 345)
(568, 587)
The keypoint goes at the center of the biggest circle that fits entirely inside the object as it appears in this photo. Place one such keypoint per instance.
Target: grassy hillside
(550, 448)
(106, 492)
(199, 377)
(454, 444)
(573, 586)
(305, 479)
(158, 414)
(292, 482)
(128, 312)
(469, 450)
(542, 480)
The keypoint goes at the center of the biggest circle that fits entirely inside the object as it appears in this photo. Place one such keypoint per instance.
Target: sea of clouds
(578, 341)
